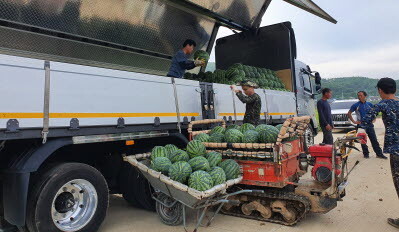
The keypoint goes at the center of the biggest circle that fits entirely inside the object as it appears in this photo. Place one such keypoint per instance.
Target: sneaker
(382, 156)
(393, 222)
(366, 156)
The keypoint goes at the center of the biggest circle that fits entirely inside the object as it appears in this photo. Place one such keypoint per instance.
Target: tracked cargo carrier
(81, 80)
(274, 170)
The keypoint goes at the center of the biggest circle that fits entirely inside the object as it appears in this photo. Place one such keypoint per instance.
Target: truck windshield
(342, 105)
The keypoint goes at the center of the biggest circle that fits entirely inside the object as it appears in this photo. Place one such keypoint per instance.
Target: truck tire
(309, 136)
(135, 188)
(125, 183)
(67, 197)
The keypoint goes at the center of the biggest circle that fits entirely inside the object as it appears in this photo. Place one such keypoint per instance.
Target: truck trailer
(84, 81)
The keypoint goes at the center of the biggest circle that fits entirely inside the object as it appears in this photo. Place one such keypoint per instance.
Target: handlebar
(350, 138)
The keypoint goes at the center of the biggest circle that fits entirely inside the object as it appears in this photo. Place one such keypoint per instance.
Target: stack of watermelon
(195, 167)
(265, 78)
(247, 133)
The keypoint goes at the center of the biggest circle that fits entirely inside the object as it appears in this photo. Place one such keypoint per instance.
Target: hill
(347, 87)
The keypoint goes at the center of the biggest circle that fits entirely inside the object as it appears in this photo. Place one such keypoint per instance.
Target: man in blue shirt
(361, 108)
(389, 107)
(180, 62)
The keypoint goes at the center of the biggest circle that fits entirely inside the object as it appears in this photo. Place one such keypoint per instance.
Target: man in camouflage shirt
(389, 107)
(252, 101)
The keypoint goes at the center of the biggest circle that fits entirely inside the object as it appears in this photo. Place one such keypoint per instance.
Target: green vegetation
(347, 87)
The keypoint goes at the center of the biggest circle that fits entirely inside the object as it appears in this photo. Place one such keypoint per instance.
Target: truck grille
(340, 117)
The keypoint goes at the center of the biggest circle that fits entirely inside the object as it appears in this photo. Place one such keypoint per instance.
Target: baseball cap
(248, 83)
(387, 85)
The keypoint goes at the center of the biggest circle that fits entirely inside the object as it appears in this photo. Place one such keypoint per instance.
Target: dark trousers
(374, 142)
(395, 170)
(327, 136)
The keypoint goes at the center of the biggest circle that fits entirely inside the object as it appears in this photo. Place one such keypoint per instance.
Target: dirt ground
(370, 200)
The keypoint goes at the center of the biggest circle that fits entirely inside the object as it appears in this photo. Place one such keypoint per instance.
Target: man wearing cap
(251, 99)
(389, 107)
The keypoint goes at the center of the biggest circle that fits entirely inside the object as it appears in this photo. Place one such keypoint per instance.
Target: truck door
(306, 94)
(207, 100)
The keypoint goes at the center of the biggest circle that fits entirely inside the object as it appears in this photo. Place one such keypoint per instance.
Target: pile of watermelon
(265, 78)
(247, 133)
(199, 169)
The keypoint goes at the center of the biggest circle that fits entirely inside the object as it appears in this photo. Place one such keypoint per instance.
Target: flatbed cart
(173, 197)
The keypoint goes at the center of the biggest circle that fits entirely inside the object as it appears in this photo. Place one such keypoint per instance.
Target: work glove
(198, 62)
(234, 89)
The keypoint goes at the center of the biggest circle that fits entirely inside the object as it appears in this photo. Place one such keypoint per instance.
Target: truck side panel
(189, 97)
(280, 104)
(21, 91)
(95, 96)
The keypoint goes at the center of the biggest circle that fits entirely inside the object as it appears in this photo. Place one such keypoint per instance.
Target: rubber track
(276, 196)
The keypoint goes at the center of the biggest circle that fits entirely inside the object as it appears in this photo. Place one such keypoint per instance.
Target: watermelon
(218, 175)
(231, 72)
(203, 137)
(195, 148)
(216, 138)
(269, 135)
(158, 151)
(188, 76)
(233, 126)
(200, 180)
(279, 127)
(218, 129)
(231, 168)
(233, 136)
(170, 148)
(199, 163)
(161, 164)
(178, 155)
(247, 126)
(201, 55)
(214, 158)
(250, 136)
(180, 171)
(261, 127)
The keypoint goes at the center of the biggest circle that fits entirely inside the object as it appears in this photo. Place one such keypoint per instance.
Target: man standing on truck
(325, 118)
(180, 62)
(361, 107)
(389, 107)
(252, 101)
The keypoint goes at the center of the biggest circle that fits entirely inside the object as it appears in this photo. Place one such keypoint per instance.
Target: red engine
(321, 159)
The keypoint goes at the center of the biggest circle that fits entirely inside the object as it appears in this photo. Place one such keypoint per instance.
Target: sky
(364, 42)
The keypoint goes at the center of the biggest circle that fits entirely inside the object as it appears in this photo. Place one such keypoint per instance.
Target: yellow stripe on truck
(281, 114)
(94, 115)
(231, 114)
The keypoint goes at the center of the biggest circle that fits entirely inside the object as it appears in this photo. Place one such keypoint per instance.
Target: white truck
(81, 80)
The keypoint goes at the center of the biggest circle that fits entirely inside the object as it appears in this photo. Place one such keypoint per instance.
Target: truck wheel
(67, 197)
(126, 181)
(135, 188)
(309, 136)
(172, 216)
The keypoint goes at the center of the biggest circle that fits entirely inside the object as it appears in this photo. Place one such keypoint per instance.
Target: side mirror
(317, 78)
